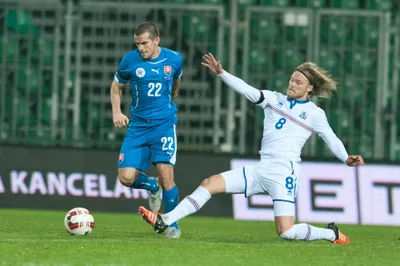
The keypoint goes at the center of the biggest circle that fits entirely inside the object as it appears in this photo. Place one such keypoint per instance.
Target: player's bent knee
(214, 184)
(126, 178)
(289, 234)
(208, 181)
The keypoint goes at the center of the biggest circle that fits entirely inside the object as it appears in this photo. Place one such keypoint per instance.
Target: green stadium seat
(213, 2)
(264, 29)
(5, 132)
(176, 1)
(80, 138)
(339, 120)
(70, 81)
(20, 21)
(297, 34)
(280, 81)
(346, 4)
(329, 60)
(366, 148)
(20, 110)
(312, 3)
(90, 115)
(353, 89)
(198, 27)
(9, 48)
(43, 51)
(258, 59)
(242, 5)
(380, 4)
(247, 2)
(28, 80)
(360, 62)
(275, 3)
(368, 32)
(397, 158)
(39, 135)
(335, 31)
(289, 58)
(46, 111)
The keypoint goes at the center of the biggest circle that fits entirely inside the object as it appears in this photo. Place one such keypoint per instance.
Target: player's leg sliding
(340, 238)
(308, 232)
(187, 206)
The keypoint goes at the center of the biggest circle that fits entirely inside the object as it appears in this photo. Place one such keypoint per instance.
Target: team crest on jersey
(140, 72)
(303, 115)
(120, 158)
(167, 70)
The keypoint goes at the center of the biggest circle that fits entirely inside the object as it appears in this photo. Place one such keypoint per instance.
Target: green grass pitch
(38, 238)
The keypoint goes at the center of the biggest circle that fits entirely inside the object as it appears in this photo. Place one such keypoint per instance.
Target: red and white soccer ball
(79, 221)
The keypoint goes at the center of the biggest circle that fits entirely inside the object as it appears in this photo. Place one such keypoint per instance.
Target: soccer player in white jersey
(289, 121)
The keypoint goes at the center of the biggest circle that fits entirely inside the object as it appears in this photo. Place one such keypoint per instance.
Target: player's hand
(120, 120)
(212, 64)
(355, 160)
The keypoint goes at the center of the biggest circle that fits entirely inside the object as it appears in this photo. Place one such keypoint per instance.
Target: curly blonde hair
(323, 84)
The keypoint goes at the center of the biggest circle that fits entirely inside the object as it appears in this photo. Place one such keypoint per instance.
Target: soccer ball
(79, 221)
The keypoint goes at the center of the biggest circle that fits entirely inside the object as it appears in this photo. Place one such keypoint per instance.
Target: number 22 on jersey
(154, 89)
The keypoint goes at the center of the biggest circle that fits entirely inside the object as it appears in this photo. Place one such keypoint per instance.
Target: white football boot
(173, 232)
(155, 198)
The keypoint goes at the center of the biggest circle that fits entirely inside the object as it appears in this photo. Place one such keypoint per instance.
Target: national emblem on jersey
(120, 158)
(140, 72)
(167, 70)
(303, 115)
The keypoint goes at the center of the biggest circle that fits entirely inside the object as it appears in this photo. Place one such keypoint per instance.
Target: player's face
(299, 86)
(147, 47)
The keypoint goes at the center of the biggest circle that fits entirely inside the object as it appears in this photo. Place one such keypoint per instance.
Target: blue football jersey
(151, 86)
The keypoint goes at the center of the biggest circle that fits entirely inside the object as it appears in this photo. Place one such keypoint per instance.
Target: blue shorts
(142, 145)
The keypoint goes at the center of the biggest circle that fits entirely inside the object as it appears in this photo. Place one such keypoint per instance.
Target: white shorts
(277, 177)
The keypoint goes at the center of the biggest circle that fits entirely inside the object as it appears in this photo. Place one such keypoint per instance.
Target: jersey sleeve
(122, 75)
(265, 97)
(178, 72)
(323, 129)
(252, 94)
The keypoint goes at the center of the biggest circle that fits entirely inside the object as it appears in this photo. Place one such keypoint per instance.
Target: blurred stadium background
(58, 60)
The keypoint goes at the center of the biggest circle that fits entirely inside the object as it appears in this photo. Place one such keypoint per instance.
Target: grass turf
(38, 238)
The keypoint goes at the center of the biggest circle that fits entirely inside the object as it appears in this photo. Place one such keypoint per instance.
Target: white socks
(188, 205)
(308, 232)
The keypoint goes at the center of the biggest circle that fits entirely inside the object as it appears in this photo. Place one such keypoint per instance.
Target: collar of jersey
(157, 59)
(293, 102)
(298, 101)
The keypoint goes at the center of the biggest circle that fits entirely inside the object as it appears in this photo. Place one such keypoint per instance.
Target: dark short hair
(147, 27)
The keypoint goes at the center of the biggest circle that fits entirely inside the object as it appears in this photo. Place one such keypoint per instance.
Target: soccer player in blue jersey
(154, 75)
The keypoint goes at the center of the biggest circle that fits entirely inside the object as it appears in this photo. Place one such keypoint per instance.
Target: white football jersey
(288, 123)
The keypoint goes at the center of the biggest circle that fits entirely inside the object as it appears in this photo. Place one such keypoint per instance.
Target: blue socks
(170, 200)
(144, 182)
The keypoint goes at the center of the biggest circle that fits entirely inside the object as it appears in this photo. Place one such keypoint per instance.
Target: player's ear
(157, 40)
(309, 88)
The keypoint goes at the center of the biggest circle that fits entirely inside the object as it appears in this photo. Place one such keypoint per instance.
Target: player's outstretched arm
(251, 93)
(119, 119)
(355, 160)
